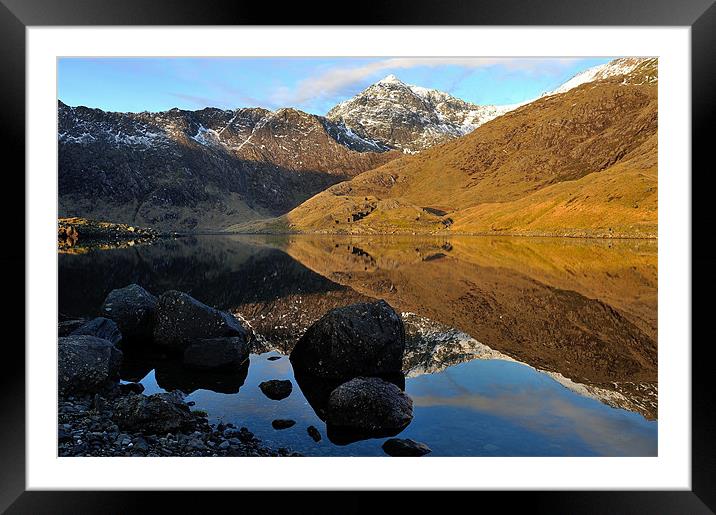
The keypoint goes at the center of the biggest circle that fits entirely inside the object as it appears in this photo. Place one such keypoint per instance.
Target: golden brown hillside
(580, 163)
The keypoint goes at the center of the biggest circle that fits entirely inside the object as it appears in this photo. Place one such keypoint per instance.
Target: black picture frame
(17, 15)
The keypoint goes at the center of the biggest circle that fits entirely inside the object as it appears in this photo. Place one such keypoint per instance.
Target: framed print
(281, 257)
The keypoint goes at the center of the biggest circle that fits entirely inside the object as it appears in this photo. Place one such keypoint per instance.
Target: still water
(516, 346)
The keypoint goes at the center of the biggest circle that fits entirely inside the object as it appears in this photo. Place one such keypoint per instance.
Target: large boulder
(160, 413)
(181, 321)
(217, 353)
(86, 364)
(132, 308)
(101, 328)
(357, 340)
(370, 405)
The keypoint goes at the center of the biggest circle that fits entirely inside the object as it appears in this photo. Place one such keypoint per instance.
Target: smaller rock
(405, 447)
(369, 404)
(314, 433)
(156, 414)
(101, 328)
(224, 445)
(276, 389)
(196, 444)
(281, 423)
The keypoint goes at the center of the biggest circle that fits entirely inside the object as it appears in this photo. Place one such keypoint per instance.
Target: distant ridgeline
(579, 161)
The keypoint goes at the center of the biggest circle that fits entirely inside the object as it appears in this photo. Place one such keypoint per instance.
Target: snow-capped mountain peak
(410, 118)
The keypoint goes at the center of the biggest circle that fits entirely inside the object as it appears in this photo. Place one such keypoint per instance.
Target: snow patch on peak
(390, 79)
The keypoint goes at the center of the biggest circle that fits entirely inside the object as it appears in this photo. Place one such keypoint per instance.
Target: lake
(515, 346)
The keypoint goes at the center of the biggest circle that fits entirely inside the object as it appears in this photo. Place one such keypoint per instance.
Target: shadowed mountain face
(189, 170)
(582, 310)
(578, 163)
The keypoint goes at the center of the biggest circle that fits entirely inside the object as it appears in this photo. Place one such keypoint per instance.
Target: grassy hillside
(581, 163)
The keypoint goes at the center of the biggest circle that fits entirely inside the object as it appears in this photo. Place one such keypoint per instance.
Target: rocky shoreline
(87, 427)
(348, 365)
(99, 416)
(77, 235)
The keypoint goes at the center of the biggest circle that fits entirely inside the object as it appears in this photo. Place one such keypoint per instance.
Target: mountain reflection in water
(582, 312)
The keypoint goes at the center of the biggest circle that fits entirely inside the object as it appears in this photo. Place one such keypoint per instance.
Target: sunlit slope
(619, 201)
(579, 163)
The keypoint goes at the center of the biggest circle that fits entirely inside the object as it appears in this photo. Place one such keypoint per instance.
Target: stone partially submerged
(358, 340)
(181, 321)
(132, 308)
(369, 405)
(405, 447)
(86, 364)
(276, 389)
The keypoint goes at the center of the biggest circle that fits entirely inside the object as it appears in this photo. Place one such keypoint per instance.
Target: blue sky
(310, 84)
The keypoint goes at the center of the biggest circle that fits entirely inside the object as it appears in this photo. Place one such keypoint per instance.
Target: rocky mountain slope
(628, 66)
(410, 118)
(192, 170)
(579, 163)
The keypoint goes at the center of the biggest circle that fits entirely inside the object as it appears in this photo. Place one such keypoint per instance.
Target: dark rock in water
(65, 327)
(273, 358)
(101, 328)
(131, 388)
(317, 390)
(405, 447)
(276, 389)
(87, 364)
(314, 433)
(217, 353)
(133, 309)
(181, 320)
(160, 413)
(371, 405)
(281, 423)
(173, 375)
(357, 340)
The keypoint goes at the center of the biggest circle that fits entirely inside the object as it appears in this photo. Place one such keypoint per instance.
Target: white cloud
(338, 79)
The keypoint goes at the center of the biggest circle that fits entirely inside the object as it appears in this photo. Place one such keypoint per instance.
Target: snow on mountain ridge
(410, 118)
(616, 67)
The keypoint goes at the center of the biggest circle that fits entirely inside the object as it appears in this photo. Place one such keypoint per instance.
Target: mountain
(410, 118)
(192, 170)
(578, 163)
(627, 66)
